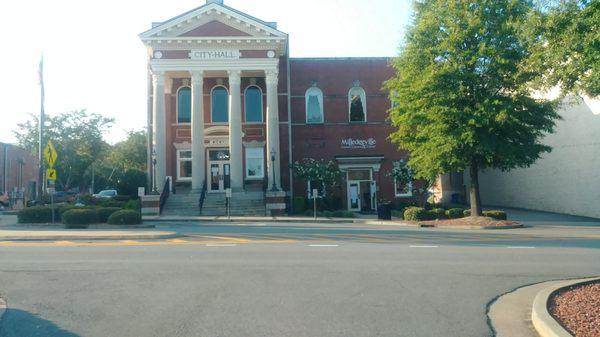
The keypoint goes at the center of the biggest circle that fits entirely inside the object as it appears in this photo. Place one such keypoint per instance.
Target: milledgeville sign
(351, 143)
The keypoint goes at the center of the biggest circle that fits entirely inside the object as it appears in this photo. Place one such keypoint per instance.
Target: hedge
(299, 204)
(37, 214)
(104, 212)
(339, 214)
(467, 212)
(438, 213)
(125, 217)
(79, 217)
(417, 214)
(495, 214)
(455, 213)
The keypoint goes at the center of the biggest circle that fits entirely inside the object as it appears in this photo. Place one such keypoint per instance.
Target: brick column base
(150, 204)
(276, 202)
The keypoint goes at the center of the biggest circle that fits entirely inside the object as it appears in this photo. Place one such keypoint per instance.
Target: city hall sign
(351, 143)
(229, 54)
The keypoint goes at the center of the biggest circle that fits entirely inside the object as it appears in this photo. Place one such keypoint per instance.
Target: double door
(219, 178)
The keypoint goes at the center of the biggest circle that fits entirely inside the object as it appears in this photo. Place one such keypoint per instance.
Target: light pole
(273, 153)
(154, 189)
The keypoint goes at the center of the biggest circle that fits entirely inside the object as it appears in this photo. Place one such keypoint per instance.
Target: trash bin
(384, 211)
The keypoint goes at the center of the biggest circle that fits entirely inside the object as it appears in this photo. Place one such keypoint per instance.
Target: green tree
(325, 175)
(130, 153)
(461, 93)
(565, 38)
(77, 136)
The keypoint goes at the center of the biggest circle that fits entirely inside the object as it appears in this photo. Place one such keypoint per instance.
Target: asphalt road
(326, 283)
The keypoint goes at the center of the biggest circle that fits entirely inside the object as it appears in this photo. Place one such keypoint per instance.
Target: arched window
(184, 105)
(357, 103)
(314, 105)
(220, 105)
(253, 104)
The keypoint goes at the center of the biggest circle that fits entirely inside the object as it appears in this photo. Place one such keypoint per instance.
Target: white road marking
(520, 247)
(320, 245)
(422, 246)
(220, 244)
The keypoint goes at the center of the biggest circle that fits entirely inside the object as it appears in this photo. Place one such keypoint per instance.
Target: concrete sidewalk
(83, 234)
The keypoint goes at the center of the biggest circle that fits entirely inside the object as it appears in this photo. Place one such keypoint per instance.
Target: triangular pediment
(212, 20)
(214, 28)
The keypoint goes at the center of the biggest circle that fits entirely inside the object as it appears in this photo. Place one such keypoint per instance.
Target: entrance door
(354, 195)
(220, 178)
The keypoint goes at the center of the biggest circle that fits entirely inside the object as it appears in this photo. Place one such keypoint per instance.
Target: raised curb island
(542, 320)
(2, 308)
(56, 235)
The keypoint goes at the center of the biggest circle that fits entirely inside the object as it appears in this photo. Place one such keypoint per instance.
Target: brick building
(18, 170)
(228, 108)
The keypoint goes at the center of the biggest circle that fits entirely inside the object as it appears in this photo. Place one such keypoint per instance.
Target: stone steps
(182, 204)
(250, 203)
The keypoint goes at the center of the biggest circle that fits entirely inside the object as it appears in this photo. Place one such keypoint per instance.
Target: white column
(158, 128)
(235, 131)
(273, 129)
(198, 163)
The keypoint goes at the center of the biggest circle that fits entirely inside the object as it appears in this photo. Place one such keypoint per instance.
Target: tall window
(184, 105)
(255, 163)
(219, 105)
(184, 165)
(314, 105)
(357, 102)
(253, 104)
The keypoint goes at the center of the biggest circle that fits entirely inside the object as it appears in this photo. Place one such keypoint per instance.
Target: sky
(94, 60)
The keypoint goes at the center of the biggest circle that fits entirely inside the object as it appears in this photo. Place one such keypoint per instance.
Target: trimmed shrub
(299, 204)
(79, 218)
(104, 212)
(110, 203)
(122, 197)
(339, 214)
(455, 213)
(438, 213)
(36, 214)
(328, 203)
(398, 214)
(135, 205)
(495, 214)
(125, 217)
(416, 214)
(467, 212)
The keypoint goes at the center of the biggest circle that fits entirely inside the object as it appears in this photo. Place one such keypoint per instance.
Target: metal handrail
(202, 196)
(164, 194)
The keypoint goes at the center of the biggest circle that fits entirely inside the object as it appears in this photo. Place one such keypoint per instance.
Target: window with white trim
(402, 190)
(357, 105)
(253, 104)
(314, 106)
(255, 167)
(184, 165)
(184, 105)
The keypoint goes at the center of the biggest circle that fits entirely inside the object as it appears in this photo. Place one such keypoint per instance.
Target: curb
(2, 308)
(237, 219)
(91, 237)
(543, 322)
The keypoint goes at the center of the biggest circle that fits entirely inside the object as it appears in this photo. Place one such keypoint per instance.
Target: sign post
(228, 202)
(50, 156)
(315, 192)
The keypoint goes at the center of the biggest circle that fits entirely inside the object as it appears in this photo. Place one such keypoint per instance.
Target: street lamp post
(154, 189)
(273, 153)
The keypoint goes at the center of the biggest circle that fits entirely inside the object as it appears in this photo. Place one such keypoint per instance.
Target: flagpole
(41, 182)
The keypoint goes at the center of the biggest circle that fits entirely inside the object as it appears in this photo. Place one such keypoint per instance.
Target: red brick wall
(9, 168)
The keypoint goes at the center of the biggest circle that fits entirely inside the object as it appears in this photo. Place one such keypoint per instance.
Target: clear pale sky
(94, 60)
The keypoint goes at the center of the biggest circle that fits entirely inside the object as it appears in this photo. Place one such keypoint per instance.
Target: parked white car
(107, 194)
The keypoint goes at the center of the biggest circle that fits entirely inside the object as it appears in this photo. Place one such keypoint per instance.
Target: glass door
(354, 195)
(215, 177)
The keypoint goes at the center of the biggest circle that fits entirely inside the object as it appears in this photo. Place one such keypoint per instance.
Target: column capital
(197, 76)
(271, 76)
(158, 77)
(235, 77)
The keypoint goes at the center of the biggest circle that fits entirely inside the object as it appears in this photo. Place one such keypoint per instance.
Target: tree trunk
(474, 192)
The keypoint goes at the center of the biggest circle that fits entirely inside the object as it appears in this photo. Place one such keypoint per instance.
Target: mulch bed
(479, 221)
(578, 309)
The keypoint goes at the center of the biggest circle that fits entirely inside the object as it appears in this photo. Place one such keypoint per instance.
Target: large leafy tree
(131, 152)
(78, 138)
(461, 91)
(565, 38)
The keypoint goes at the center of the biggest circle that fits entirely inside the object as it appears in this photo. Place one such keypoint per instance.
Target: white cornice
(207, 65)
(191, 18)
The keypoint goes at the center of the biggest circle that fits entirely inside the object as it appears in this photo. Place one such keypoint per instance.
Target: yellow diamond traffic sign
(50, 154)
(51, 174)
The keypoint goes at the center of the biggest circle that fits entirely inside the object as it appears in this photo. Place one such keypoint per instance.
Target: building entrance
(361, 190)
(218, 170)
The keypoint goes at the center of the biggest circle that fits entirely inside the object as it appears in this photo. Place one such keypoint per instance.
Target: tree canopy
(462, 90)
(565, 38)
